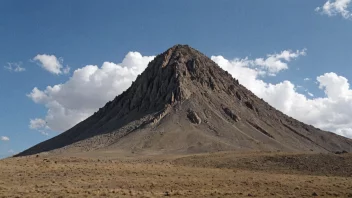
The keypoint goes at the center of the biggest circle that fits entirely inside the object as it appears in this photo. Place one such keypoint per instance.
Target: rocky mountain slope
(185, 103)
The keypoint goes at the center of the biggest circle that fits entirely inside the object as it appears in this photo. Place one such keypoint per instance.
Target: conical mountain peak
(184, 102)
(179, 50)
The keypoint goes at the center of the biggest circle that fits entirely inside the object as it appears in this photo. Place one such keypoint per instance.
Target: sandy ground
(207, 175)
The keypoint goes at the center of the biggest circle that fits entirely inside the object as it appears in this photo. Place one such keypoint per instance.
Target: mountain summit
(185, 103)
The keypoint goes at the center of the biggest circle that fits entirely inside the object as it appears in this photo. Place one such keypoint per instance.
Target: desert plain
(217, 174)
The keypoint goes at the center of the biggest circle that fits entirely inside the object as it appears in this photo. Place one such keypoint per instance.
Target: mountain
(185, 103)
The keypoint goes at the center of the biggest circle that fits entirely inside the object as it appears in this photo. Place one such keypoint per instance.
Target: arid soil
(225, 174)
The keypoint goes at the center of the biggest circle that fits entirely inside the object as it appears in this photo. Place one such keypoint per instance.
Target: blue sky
(80, 33)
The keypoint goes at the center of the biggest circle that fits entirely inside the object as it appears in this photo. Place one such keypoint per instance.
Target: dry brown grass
(60, 176)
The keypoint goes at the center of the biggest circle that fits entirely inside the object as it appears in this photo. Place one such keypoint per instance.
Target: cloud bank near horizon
(90, 87)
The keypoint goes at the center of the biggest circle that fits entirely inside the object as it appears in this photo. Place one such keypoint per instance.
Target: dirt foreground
(208, 175)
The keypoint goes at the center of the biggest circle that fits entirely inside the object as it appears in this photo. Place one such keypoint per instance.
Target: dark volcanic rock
(153, 115)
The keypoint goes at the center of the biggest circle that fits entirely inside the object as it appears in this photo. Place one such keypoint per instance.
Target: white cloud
(336, 7)
(274, 63)
(4, 138)
(38, 96)
(248, 71)
(335, 86)
(37, 123)
(332, 112)
(86, 91)
(307, 79)
(51, 64)
(347, 132)
(15, 67)
(270, 65)
(310, 94)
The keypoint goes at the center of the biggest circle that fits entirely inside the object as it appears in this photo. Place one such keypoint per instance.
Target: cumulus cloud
(85, 92)
(249, 71)
(51, 64)
(335, 86)
(332, 112)
(274, 63)
(38, 96)
(37, 123)
(270, 65)
(15, 67)
(336, 7)
(4, 138)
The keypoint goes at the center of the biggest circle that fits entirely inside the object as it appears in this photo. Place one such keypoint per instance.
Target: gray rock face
(153, 115)
(232, 115)
(193, 117)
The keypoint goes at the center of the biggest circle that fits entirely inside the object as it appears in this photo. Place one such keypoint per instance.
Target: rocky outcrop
(249, 105)
(193, 117)
(232, 115)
